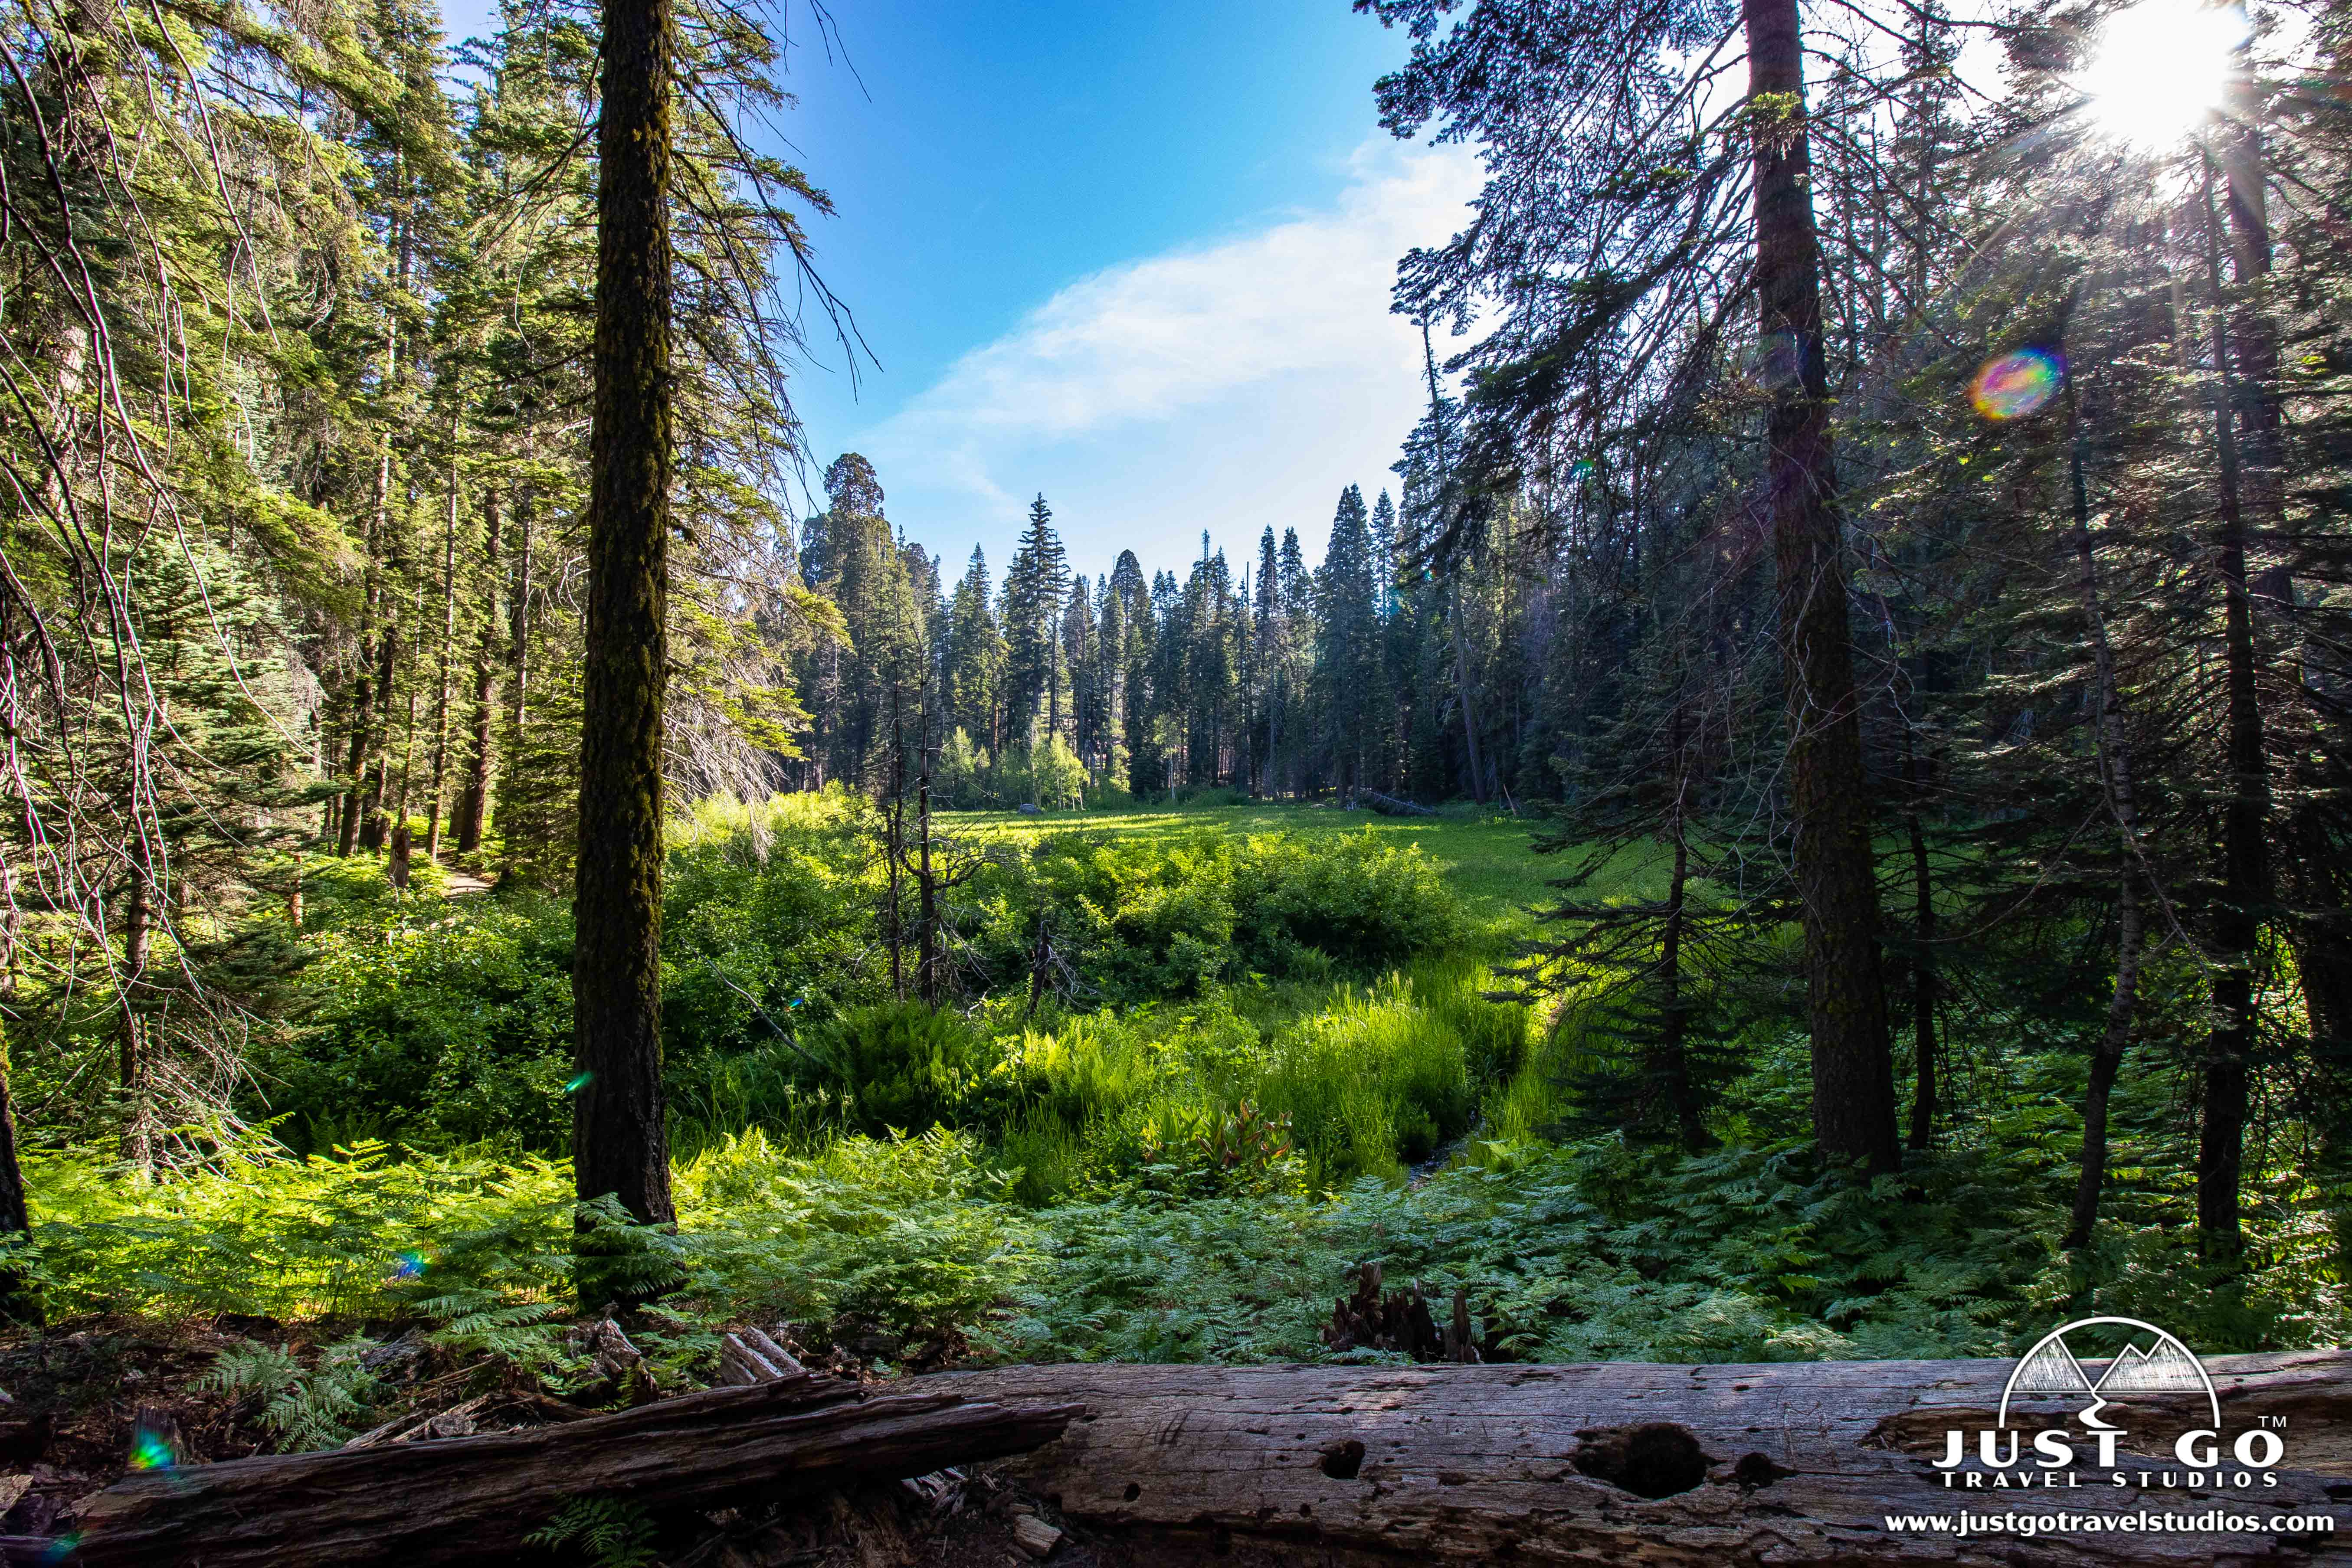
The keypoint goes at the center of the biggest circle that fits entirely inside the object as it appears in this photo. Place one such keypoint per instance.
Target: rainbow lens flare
(2017, 384)
(149, 1451)
(62, 1548)
(408, 1265)
(577, 1084)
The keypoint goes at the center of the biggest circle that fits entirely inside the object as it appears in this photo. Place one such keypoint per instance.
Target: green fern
(304, 1409)
(611, 1534)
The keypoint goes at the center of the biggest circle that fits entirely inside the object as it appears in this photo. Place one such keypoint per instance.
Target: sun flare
(2161, 70)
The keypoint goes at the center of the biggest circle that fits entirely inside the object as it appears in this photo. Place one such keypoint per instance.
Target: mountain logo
(2158, 1363)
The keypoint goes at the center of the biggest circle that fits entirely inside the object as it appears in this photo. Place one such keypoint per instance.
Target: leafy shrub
(1168, 917)
(431, 1024)
(767, 914)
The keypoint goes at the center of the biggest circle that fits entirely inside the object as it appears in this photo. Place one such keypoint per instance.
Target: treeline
(1274, 680)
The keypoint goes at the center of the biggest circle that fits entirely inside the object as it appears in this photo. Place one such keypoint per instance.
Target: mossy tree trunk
(1853, 1072)
(618, 1142)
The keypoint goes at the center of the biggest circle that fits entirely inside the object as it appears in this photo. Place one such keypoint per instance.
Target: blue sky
(1133, 255)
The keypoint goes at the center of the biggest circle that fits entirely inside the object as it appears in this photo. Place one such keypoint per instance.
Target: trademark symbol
(2273, 1422)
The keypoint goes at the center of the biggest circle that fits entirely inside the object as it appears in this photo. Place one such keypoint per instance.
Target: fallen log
(1393, 805)
(1623, 1463)
(474, 1500)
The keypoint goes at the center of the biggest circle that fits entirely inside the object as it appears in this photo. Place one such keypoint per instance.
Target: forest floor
(1186, 1163)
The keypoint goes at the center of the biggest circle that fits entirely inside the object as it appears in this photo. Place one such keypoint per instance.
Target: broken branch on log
(472, 1500)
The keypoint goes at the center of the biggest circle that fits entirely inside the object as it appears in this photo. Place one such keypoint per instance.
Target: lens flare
(63, 1547)
(408, 1265)
(577, 1084)
(1581, 470)
(149, 1451)
(2017, 384)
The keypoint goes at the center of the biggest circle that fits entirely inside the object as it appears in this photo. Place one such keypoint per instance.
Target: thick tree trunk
(2245, 860)
(474, 1500)
(1853, 1075)
(1779, 1463)
(619, 1144)
(2323, 964)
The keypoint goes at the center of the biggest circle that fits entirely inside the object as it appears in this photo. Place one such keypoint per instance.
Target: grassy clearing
(1485, 855)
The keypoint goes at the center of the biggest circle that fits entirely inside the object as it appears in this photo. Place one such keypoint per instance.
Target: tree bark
(373, 822)
(2115, 780)
(1674, 1049)
(473, 800)
(1454, 619)
(15, 1219)
(2245, 860)
(518, 616)
(619, 1144)
(1794, 1463)
(433, 814)
(1852, 1069)
(1924, 1089)
(138, 935)
(474, 1500)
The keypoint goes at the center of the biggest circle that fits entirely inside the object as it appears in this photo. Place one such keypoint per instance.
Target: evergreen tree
(974, 673)
(1034, 585)
(1347, 653)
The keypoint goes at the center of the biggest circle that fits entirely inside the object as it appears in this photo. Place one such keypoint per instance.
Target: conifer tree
(1034, 585)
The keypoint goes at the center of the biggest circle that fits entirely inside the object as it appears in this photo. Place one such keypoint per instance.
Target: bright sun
(2161, 70)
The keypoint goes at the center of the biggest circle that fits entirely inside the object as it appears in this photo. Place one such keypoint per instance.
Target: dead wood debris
(1371, 1319)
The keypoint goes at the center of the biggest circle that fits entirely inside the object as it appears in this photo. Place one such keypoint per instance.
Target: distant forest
(1275, 680)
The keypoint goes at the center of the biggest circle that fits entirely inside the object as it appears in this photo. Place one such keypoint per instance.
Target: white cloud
(1227, 385)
